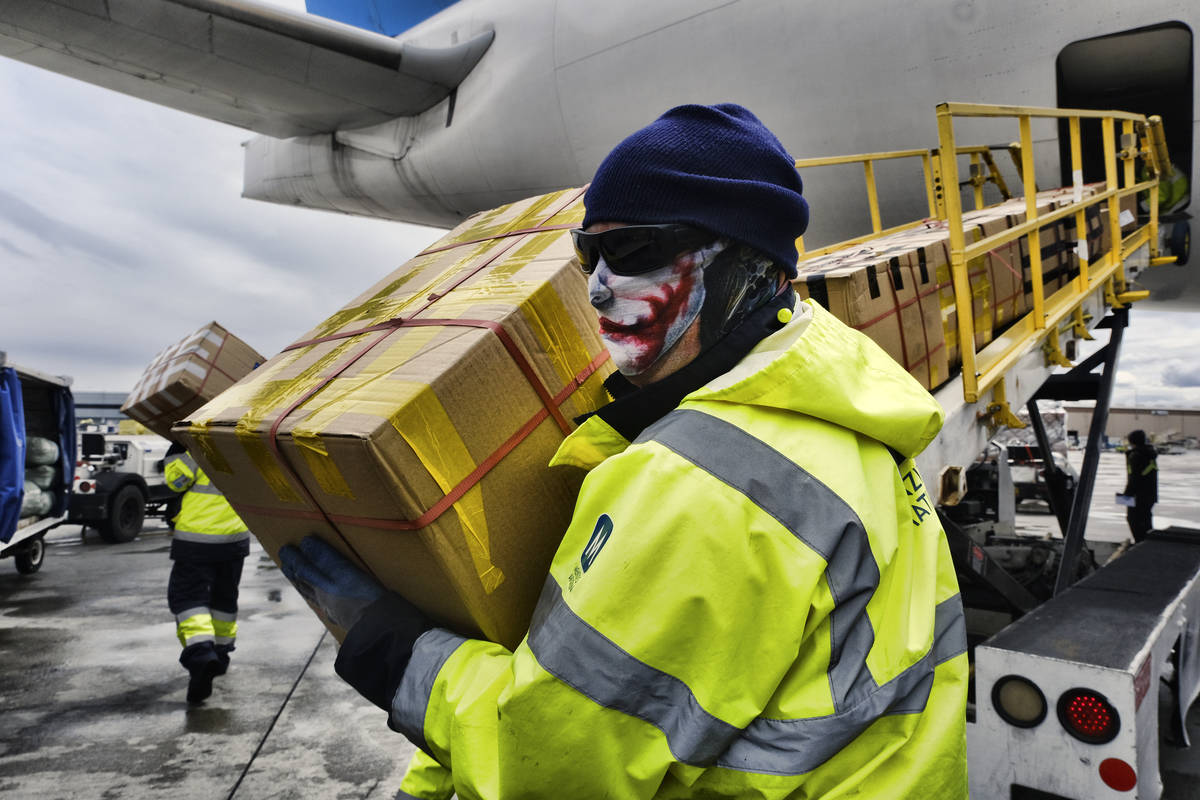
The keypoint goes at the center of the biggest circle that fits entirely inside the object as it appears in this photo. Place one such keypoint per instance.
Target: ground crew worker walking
(1141, 466)
(754, 597)
(208, 548)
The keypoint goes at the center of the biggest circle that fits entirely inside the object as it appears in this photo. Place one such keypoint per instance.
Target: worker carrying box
(752, 596)
(412, 428)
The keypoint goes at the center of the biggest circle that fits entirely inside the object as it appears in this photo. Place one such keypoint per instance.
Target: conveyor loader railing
(984, 370)
(983, 170)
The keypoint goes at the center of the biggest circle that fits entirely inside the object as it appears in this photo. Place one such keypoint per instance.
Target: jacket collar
(610, 429)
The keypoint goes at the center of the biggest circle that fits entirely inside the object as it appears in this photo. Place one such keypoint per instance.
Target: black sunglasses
(636, 249)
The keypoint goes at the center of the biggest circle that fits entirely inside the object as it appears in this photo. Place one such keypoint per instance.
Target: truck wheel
(29, 558)
(1181, 242)
(126, 512)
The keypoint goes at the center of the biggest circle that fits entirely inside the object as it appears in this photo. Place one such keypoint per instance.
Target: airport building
(1160, 424)
(102, 409)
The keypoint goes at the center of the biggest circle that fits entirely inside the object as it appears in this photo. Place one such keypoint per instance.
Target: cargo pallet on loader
(1057, 708)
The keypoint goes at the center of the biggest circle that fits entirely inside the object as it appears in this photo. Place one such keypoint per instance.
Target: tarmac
(92, 696)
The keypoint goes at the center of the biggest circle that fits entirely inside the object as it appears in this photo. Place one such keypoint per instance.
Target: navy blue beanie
(712, 167)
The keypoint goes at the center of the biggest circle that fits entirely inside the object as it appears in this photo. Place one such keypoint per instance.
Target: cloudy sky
(122, 229)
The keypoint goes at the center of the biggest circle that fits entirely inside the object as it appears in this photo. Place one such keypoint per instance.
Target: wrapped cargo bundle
(898, 290)
(412, 429)
(1054, 419)
(41, 476)
(35, 502)
(186, 375)
(40, 451)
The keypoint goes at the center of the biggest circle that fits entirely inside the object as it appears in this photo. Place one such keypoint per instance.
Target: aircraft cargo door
(1147, 71)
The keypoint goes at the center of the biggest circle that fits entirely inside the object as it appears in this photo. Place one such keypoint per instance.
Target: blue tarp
(64, 414)
(12, 452)
(389, 17)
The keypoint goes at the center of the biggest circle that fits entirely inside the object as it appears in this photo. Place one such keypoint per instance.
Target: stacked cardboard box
(898, 289)
(412, 429)
(187, 375)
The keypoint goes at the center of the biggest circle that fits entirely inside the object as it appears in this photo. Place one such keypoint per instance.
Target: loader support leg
(1056, 481)
(1073, 538)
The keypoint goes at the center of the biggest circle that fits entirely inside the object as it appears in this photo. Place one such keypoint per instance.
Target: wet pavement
(1178, 493)
(92, 697)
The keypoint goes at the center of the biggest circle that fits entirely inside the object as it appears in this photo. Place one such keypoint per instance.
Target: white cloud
(122, 229)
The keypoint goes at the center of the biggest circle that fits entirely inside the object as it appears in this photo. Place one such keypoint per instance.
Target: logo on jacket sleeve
(918, 497)
(600, 534)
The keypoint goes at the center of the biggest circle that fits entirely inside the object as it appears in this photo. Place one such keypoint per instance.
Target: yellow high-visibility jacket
(205, 516)
(753, 600)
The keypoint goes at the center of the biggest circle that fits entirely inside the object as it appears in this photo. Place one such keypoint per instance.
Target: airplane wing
(273, 71)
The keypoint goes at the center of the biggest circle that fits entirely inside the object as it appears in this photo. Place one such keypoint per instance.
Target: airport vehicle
(1028, 467)
(33, 405)
(119, 482)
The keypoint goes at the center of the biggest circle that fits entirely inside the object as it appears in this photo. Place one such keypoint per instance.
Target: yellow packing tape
(427, 429)
(365, 393)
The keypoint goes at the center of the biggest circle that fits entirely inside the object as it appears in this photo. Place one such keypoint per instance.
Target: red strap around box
(385, 329)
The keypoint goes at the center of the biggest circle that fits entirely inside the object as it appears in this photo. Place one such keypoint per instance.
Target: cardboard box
(1008, 266)
(188, 374)
(890, 293)
(412, 429)
(916, 320)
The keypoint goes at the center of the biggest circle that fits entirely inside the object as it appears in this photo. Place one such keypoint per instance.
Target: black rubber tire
(30, 557)
(1180, 242)
(126, 513)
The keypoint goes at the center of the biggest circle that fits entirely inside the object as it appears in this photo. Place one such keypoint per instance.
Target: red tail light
(1088, 716)
(85, 486)
(1117, 774)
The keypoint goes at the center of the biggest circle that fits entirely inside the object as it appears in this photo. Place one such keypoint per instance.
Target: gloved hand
(382, 626)
(329, 581)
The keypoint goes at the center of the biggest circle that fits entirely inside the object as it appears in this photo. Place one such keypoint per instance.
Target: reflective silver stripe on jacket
(793, 747)
(210, 538)
(206, 488)
(812, 511)
(581, 657)
(184, 616)
(430, 652)
(185, 457)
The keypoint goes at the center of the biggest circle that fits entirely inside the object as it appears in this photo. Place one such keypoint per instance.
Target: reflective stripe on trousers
(194, 626)
(204, 625)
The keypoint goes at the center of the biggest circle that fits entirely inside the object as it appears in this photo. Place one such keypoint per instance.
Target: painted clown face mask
(643, 316)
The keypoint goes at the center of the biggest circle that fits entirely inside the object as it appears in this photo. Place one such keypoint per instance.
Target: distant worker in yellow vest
(754, 597)
(209, 546)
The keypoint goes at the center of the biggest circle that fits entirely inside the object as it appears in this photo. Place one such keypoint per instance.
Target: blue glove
(329, 581)
(381, 626)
